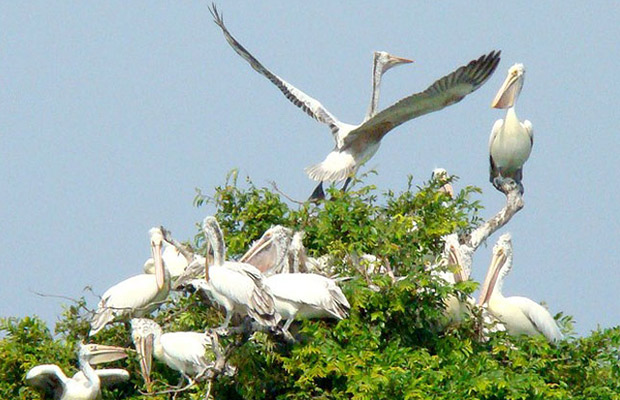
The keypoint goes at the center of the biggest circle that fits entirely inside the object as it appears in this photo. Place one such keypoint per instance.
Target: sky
(113, 113)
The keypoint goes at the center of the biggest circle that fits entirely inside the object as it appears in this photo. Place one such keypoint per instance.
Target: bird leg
(346, 183)
(223, 329)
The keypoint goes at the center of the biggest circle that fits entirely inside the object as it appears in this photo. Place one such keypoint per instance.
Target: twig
(275, 188)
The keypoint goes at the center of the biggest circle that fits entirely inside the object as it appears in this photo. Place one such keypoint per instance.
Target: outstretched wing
(448, 90)
(309, 105)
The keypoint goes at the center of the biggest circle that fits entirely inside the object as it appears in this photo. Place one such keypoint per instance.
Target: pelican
(455, 309)
(174, 261)
(85, 384)
(356, 144)
(268, 253)
(190, 353)
(135, 296)
(441, 175)
(511, 140)
(519, 314)
(236, 286)
(307, 296)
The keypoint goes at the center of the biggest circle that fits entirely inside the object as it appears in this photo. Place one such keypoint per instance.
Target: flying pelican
(356, 144)
(174, 261)
(307, 296)
(190, 353)
(236, 286)
(511, 140)
(85, 384)
(135, 296)
(519, 314)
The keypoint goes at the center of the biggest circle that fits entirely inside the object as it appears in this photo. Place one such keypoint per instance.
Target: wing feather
(539, 316)
(309, 105)
(448, 90)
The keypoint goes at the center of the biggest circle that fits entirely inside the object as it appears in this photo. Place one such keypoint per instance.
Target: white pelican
(441, 176)
(135, 296)
(85, 384)
(519, 314)
(174, 261)
(356, 144)
(307, 296)
(511, 140)
(236, 286)
(190, 353)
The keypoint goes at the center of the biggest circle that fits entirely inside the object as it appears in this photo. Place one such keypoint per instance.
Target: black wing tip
(218, 17)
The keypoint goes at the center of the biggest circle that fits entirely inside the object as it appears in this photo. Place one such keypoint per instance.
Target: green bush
(390, 347)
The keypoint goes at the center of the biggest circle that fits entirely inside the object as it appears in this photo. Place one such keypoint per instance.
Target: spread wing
(448, 90)
(309, 105)
(48, 379)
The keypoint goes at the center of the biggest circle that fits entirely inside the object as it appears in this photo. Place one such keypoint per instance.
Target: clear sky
(112, 113)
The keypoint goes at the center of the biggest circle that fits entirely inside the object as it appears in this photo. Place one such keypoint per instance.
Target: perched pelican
(441, 176)
(307, 296)
(135, 296)
(174, 261)
(519, 314)
(85, 384)
(190, 353)
(268, 254)
(511, 140)
(356, 144)
(236, 286)
(455, 309)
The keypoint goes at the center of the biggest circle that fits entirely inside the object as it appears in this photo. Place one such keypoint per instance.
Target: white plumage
(174, 261)
(187, 352)
(356, 144)
(511, 140)
(520, 315)
(85, 384)
(307, 296)
(136, 296)
(236, 286)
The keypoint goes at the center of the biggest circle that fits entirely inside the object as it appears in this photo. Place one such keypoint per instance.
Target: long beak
(499, 259)
(144, 347)
(399, 60)
(453, 259)
(100, 353)
(508, 93)
(159, 264)
(261, 254)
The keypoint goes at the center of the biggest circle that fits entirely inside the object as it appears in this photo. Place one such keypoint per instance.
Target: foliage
(392, 346)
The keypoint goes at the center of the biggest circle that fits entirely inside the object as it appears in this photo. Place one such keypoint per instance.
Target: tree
(392, 346)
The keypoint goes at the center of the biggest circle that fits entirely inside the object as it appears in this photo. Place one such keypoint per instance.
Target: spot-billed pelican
(455, 309)
(511, 140)
(85, 384)
(356, 144)
(307, 296)
(135, 296)
(520, 315)
(236, 286)
(190, 353)
(268, 253)
(174, 261)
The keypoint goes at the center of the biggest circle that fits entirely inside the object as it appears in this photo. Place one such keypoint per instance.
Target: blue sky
(112, 113)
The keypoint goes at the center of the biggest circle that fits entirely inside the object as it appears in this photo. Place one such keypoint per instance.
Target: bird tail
(337, 166)
(340, 305)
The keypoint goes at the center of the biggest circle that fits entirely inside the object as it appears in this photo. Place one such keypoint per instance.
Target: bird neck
(218, 246)
(90, 374)
(377, 73)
